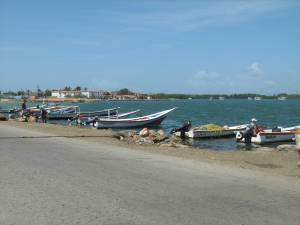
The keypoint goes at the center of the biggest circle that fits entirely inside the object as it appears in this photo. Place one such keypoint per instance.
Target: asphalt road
(67, 181)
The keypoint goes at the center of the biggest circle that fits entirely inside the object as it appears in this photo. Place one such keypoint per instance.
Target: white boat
(143, 121)
(257, 98)
(282, 98)
(199, 132)
(221, 98)
(271, 135)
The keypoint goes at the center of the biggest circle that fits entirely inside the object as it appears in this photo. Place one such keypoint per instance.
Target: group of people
(25, 112)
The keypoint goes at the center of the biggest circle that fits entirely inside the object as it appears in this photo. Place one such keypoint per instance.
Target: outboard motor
(92, 121)
(246, 135)
(186, 126)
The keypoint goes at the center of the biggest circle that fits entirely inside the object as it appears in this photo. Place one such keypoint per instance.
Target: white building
(87, 94)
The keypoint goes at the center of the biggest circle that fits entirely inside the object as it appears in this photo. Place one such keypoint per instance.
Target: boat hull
(143, 121)
(229, 132)
(272, 137)
(129, 124)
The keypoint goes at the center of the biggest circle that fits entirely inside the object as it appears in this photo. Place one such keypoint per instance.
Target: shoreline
(264, 159)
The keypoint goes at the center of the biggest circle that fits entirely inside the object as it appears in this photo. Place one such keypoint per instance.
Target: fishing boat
(213, 131)
(265, 136)
(102, 113)
(74, 111)
(282, 98)
(143, 121)
(257, 98)
(63, 113)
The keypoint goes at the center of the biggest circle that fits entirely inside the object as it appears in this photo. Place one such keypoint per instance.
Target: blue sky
(151, 46)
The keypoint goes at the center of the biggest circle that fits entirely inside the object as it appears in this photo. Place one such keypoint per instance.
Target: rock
(286, 147)
(2, 117)
(32, 119)
(175, 139)
(144, 132)
(23, 119)
(144, 141)
(157, 137)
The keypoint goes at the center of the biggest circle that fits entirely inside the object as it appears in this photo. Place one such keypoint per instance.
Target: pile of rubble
(150, 137)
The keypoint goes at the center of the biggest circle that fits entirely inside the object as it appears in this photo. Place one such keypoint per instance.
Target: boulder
(286, 147)
(157, 137)
(144, 132)
(2, 117)
(32, 119)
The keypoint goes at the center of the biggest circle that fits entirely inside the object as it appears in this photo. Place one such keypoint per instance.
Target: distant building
(73, 94)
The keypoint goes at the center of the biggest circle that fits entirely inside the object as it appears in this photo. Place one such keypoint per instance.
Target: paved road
(67, 181)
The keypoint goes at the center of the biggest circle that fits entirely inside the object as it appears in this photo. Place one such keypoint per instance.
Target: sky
(151, 46)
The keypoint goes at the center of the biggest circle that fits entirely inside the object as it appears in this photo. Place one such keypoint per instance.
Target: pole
(297, 137)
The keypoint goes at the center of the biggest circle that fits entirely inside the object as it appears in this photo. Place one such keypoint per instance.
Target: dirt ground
(264, 159)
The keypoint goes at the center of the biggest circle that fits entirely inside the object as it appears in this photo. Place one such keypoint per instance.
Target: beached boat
(62, 113)
(143, 121)
(271, 135)
(101, 113)
(212, 131)
(74, 111)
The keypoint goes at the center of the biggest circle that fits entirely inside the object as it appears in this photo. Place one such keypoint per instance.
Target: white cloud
(253, 79)
(255, 68)
(204, 75)
(200, 14)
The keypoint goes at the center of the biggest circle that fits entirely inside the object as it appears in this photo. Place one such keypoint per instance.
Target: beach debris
(2, 117)
(32, 119)
(211, 127)
(144, 132)
(150, 137)
(286, 147)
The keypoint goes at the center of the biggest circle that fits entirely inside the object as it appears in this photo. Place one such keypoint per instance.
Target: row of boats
(112, 118)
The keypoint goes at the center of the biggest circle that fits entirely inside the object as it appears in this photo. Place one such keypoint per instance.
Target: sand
(265, 159)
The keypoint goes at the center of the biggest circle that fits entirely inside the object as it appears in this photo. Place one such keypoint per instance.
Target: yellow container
(297, 136)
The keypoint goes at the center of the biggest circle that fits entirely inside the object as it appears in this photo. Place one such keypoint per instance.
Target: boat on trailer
(143, 121)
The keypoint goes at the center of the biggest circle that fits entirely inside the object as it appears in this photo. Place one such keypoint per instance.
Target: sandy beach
(265, 159)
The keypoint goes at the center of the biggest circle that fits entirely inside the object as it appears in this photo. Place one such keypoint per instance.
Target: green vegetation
(124, 91)
(226, 96)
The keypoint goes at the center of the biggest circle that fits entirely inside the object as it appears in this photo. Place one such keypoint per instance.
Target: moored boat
(143, 121)
(212, 131)
(265, 136)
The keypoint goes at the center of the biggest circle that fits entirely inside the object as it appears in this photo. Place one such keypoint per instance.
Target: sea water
(270, 113)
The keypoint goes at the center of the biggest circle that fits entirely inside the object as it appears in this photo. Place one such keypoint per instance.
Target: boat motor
(246, 134)
(186, 126)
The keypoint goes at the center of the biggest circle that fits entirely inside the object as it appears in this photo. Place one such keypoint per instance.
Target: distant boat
(221, 98)
(249, 98)
(211, 98)
(257, 98)
(190, 98)
(282, 98)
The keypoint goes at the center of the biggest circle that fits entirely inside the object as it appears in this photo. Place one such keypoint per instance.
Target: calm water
(270, 113)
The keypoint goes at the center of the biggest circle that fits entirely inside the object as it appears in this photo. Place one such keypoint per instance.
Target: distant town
(79, 94)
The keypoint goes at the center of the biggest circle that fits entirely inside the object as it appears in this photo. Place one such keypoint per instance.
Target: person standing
(44, 115)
